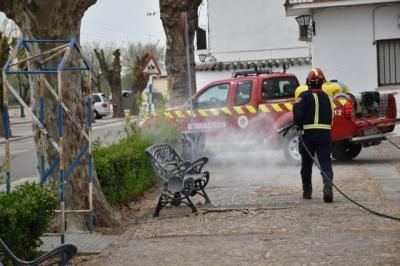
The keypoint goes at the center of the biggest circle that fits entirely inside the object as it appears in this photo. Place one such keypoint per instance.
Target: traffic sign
(151, 67)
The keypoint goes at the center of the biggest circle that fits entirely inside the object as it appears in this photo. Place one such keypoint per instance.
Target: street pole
(22, 113)
(150, 95)
(186, 32)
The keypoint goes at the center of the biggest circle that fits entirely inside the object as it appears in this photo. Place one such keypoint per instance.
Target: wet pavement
(257, 217)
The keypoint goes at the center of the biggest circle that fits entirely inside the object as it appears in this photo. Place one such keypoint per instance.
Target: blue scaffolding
(63, 50)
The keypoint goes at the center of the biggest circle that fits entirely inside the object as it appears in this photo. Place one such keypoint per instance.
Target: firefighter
(312, 115)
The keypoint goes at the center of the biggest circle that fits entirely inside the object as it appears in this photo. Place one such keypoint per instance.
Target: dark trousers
(323, 151)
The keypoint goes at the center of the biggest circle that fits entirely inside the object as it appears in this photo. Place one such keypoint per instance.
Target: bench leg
(200, 185)
(191, 205)
(205, 196)
(159, 207)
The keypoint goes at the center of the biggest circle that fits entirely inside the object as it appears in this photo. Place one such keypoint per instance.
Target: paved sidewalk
(258, 217)
(87, 243)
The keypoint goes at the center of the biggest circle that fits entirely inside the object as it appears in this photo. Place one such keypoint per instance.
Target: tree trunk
(59, 19)
(175, 57)
(140, 81)
(4, 52)
(113, 77)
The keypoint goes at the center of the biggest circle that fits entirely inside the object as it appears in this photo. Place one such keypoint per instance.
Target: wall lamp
(203, 57)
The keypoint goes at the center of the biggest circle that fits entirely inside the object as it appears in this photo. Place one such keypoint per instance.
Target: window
(243, 92)
(214, 97)
(201, 39)
(279, 88)
(96, 98)
(388, 62)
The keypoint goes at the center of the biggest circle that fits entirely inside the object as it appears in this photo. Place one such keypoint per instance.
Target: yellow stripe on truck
(239, 110)
(264, 108)
(214, 111)
(168, 114)
(276, 107)
(226, 111)
(289, 106)
(179, 114)
(251, 109)
(191, 114)
(203, 113)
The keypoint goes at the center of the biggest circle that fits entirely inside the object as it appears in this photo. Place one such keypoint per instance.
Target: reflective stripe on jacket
(326, 124)
(313, 112)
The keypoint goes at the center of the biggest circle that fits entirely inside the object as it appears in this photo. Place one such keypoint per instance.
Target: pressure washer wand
(284, 130)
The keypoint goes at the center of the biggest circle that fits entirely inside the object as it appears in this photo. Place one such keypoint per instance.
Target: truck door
(244, 110)
(209, 108)
(278, 95)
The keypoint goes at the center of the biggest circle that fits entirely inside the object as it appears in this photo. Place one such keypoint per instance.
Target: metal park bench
(180, 179)
(58, 256)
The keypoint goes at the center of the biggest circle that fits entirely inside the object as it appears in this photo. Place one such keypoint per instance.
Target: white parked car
(102, 106)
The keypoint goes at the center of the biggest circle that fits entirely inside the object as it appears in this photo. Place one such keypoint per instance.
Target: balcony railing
(295, 2)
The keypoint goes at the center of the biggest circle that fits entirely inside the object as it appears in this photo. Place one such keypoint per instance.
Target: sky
(122, 21)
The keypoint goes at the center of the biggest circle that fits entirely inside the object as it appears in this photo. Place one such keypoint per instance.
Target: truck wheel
(96, 115)
(345, 150)
(291, 146)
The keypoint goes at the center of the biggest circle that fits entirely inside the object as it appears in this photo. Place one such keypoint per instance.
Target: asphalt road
(23, 164)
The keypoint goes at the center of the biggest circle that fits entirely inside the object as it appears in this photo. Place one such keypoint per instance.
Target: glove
(298, 127)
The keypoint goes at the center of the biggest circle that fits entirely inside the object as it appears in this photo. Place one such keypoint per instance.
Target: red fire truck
(249, 108)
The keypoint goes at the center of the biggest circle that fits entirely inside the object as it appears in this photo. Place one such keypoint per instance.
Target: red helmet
(315, 78)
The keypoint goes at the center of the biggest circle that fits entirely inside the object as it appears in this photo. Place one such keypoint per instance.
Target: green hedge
(123, 169)
(25, 215)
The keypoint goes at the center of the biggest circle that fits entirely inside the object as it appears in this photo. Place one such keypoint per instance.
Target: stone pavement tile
(325, 248)
(86, 243)
(308, 235)
(257, 217)
(192, 250)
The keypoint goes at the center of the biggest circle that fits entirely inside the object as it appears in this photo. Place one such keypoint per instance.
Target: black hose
(326, 178)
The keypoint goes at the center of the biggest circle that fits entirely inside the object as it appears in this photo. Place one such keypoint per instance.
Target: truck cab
(249, 108)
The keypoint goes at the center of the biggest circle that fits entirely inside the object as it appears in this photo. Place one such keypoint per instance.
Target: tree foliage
(135, 58)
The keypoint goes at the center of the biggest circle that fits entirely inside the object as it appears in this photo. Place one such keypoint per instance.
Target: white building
(356, 41)
(243, 34)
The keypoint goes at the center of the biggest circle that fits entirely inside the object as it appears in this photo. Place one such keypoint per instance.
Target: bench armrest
(197, 166)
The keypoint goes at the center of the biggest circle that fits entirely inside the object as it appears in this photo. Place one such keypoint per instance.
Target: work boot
(328, 194)
(307, 187)
(307, 193)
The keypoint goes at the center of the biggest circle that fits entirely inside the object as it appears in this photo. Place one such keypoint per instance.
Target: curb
(17, 139)
(19, 123)
(107, 123)
(31, 136)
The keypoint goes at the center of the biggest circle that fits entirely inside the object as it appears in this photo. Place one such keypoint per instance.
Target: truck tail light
(391, 107)
(104, 105)
(349, 110)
